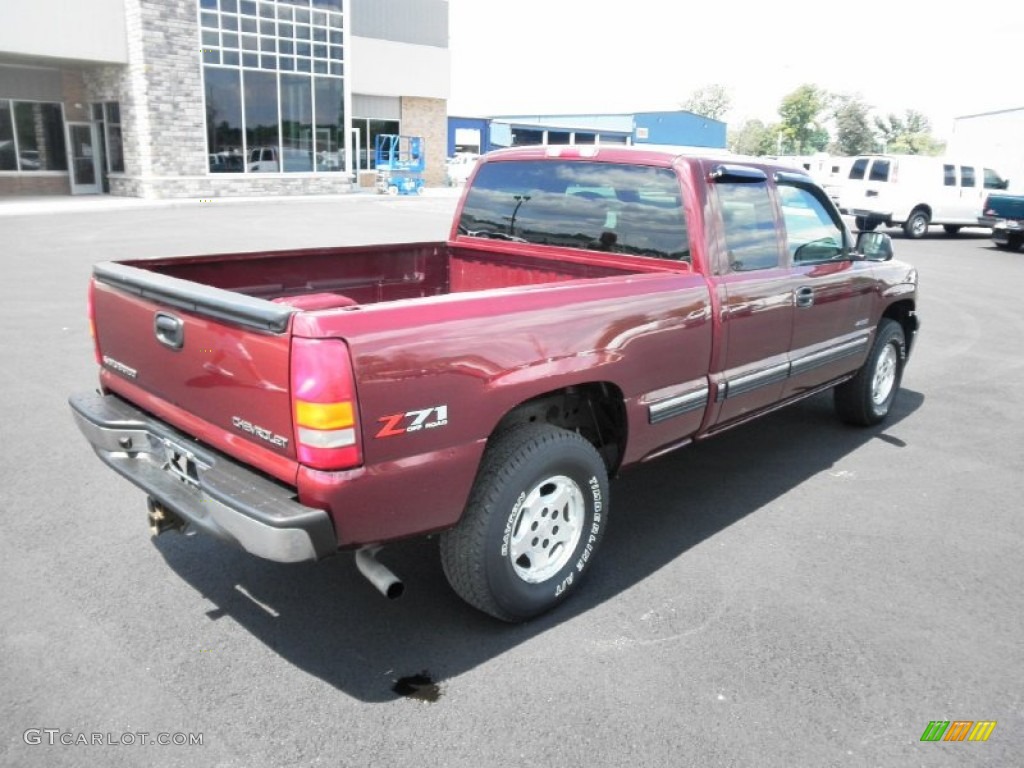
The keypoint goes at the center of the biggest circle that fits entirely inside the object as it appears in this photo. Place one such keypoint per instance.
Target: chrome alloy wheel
(884, 378)
(547, 529)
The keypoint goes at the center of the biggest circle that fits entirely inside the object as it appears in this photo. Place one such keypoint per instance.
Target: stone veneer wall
(428, 118)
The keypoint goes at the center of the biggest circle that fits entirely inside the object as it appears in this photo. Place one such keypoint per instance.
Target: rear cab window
(612, 207)
(859, 167)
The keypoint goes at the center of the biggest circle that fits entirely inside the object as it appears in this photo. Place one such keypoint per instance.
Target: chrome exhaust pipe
(377, 573)
(162, 520)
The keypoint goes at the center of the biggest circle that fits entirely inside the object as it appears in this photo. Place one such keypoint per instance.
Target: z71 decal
(413, 421)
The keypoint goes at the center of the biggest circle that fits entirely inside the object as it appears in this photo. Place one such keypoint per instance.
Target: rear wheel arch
(594, 410)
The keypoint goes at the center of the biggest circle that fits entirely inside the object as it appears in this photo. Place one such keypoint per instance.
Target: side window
(812, 236)
(966, 176)
(993, 180)
(949, 175)
(750, 235)
(879, 171)
(859, 166)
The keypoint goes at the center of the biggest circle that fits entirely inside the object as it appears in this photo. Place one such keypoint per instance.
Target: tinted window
(993, 180)
(949, 175)
(811, 233)
(966, 176)
(859, 166)
(577, 204)
(879, 170)
(749, 226)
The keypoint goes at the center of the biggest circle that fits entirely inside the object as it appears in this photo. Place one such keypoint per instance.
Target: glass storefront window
(224, 120)
(288, 115)
(261, 127)
(330, 124)
(40, 132)
(296, 123)
(8, 155)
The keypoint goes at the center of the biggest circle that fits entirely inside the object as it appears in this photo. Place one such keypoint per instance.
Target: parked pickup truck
(1005, 214)
(592, 308)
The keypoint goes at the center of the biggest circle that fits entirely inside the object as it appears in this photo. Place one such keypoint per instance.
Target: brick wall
(32, 184)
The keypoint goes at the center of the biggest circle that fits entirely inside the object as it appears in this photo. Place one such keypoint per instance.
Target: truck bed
(332, 278)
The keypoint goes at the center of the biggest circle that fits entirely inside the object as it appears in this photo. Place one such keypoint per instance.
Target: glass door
(84, 145)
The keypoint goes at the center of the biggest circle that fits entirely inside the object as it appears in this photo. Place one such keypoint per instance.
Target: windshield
(612, 207)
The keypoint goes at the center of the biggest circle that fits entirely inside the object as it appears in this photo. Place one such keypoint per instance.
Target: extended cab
(591, 309)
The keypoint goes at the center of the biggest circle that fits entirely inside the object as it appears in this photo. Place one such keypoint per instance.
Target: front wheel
(1013, 242)
(916, 226)
(535, 517)
(866, 399)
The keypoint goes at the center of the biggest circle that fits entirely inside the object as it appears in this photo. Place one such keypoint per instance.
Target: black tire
(864, 224)
(951, 229)
(489, 559)
(916, 225)
(1012, 242)
(865, 400)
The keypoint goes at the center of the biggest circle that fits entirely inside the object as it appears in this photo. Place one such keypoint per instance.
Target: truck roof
(619, 153)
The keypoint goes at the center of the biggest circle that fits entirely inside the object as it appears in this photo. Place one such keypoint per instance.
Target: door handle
(804, 296)
(169, 330)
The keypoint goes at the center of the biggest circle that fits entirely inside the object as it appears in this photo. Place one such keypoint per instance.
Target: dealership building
(212, 98)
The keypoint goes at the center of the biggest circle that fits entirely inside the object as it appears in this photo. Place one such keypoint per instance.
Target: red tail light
(324, 405)
(91, 309)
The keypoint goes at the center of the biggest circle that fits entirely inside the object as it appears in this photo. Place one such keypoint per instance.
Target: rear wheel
(866, 399)
(950, 229)
(535, 517)
(864, 224)
(916, 225)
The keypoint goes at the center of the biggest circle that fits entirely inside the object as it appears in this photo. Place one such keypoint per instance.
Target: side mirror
(874, 246)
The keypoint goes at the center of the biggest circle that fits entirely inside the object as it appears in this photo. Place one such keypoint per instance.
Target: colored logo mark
(958, 730)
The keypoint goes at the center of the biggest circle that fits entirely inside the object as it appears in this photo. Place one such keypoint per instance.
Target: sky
(603, 56)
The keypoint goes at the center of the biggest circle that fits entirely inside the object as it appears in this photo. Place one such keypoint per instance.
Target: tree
(854, 135)
(709, 101)
(754, 138)
(909, 135)
(802, 131)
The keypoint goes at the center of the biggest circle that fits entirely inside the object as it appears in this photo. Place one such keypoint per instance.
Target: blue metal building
(672, 128)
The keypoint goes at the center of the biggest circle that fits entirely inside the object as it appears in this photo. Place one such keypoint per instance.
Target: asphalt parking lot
(792, 593)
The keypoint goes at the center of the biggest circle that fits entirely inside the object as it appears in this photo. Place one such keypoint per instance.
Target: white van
(914, 191)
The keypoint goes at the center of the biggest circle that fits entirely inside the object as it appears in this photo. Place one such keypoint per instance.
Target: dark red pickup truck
(592, 308)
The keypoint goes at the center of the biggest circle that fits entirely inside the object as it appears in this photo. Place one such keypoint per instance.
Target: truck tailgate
(224, 381)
